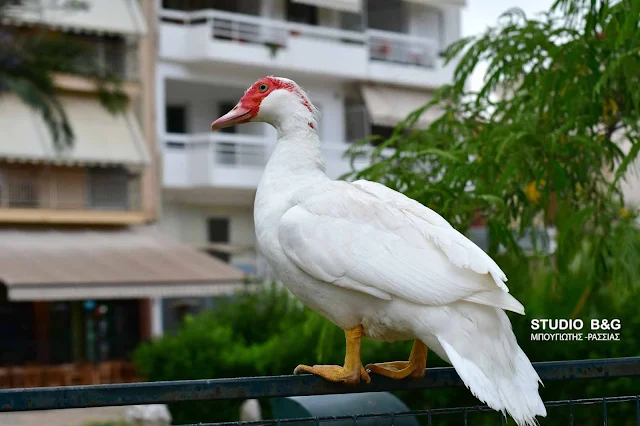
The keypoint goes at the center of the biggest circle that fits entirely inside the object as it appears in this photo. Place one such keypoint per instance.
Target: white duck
(381, 265)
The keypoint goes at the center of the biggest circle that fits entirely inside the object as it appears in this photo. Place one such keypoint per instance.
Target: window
(357, 121)
(17, 343)
(108, 188)
(302, 13)
(251, 7)
(387, 15)
(218, 232)
(61, 332)
(176, 119)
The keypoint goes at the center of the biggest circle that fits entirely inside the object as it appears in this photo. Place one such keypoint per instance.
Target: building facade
(366, 64)
(82, 267)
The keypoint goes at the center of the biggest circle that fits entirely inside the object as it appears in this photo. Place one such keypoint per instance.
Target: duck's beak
(237, 115)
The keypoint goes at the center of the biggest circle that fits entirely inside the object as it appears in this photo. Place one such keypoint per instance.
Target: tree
(29, 61)
(538, 146)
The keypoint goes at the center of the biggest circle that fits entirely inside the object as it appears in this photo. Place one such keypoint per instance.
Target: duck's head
(274, 100)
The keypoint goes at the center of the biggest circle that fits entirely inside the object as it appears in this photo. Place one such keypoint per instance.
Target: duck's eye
(263, 87)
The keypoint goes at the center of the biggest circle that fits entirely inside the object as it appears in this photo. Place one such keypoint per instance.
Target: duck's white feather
(347, 235)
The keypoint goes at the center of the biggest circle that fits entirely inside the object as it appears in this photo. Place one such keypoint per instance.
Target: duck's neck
(296, 161)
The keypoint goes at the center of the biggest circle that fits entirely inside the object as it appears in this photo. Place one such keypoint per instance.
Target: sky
(479, 14)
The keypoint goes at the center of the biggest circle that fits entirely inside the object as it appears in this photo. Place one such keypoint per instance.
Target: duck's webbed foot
(402, 369)
(335, 373)
(352, 371)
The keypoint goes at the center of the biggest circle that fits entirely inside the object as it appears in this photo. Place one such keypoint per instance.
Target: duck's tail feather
(486, 355)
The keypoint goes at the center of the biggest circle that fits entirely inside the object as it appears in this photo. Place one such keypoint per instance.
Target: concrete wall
(147, 57)
(188, 223)
(202, 92)
(202, 102)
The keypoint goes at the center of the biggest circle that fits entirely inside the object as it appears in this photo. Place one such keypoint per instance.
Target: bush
(259, 333)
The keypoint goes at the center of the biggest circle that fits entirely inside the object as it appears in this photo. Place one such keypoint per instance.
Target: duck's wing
(366, 237)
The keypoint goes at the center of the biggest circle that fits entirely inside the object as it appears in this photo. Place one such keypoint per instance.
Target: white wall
(201, 92)
(202, 102)
(424, 21)
(188, 223)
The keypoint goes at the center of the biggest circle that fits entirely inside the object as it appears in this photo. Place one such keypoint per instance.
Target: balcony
(218, 36)
(112, 56)
(212, 36)
(32, 194)
(229, 160)
(405, 59)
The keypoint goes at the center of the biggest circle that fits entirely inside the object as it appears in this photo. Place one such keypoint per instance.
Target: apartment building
(366, 64)
(82, 268)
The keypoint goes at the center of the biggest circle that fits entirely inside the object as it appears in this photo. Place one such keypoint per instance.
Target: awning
(80, 264)
(387, 106)
(101, 138)
(354, 6)
(441, 3)
(96, 16)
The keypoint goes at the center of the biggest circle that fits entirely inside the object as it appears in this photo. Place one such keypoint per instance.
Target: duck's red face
(249, 104)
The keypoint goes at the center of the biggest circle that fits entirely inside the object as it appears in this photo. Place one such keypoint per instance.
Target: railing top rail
(399, 37)
(197, 138)
(318, 31)
(276, 386)
(239, 139)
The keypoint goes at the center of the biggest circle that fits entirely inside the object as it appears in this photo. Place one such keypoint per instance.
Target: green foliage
(259, 333)
(540, 143)
(28, 62)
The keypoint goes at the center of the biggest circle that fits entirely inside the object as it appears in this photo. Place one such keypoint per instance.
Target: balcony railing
(231, 159)
(240, 28)
(402, 48)
(91, 189)
(229, 150)
(257, 30)
(109, 57)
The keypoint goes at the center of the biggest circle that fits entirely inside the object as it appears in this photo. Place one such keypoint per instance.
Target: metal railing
(13, 400)
(36, 188)
(254, 29)
(119, 59)
(402, 48)
(237, 150)
(229, 150)
(382, 45)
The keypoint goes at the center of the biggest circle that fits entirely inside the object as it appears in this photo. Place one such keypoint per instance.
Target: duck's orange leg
(352, 371)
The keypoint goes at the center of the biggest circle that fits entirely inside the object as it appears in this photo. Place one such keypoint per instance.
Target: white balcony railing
(252, 29)
(225, 149)
(276, 34)
(235, 160)
(402, 48)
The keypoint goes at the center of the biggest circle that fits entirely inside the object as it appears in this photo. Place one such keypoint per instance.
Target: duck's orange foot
(335, 373)
(396, 370)
(414, 368)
